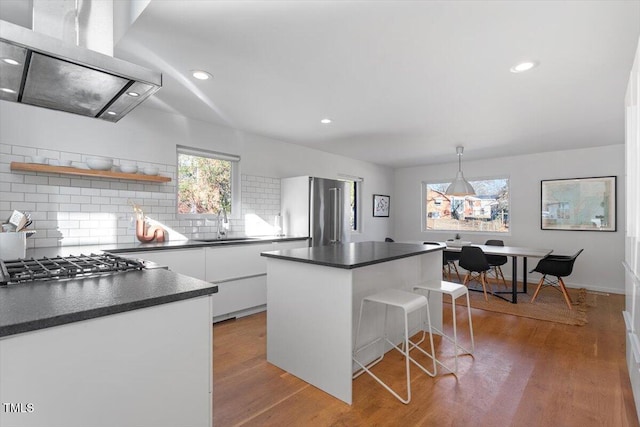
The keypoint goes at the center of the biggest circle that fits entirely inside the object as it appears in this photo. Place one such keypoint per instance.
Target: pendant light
(460, 186)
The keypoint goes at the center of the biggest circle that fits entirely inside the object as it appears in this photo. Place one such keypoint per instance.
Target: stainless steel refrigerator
(315, 207)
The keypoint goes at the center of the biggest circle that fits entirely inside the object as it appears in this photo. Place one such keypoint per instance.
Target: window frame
(357, 182)
(235, 180)
(424, 208)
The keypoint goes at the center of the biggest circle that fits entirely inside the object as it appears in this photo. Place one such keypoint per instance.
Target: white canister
(13, 245)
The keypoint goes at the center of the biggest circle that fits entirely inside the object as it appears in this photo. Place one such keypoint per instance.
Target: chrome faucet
(221, 229)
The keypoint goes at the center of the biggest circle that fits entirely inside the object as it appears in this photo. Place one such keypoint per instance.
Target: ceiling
(404, 82)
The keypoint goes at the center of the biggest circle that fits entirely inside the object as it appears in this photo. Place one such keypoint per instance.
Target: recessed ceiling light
(201, 75)
(523, 66)
(7, 90)
(10, 61)
(111, 113)
(325, 121)
(134, 94)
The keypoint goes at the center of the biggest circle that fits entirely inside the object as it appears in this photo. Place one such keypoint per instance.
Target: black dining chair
(473, 259)
(558, 266)
(497, 261)
(448, 261)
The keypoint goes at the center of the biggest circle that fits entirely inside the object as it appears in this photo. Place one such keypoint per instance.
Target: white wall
(599, 267)
(149, 135)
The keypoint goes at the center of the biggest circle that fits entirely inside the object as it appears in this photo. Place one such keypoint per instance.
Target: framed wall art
(579, 204)
(381, 205)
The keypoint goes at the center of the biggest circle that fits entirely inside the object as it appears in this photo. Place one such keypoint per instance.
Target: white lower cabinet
(238, 270)
(240, 294)
(146, 367)
(241, 275)
(189, 262)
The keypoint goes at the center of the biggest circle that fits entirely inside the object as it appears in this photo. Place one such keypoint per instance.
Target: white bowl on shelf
(99, 163)
(65, 163)
(42, 160)
(150, 170)
(80, 165)
(128, 168)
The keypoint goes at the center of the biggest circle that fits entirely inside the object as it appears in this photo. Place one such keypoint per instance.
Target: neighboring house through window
(487, 211)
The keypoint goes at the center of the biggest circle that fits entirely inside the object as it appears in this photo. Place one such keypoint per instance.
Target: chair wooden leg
(466, 279)
(483, 279)
(495, 273)
(504, 282)
(489, 277)
(567, 298)
(455, 268)
(444, 271)
(535, 294)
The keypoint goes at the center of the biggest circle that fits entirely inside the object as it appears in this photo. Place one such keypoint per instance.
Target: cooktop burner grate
(69, 267)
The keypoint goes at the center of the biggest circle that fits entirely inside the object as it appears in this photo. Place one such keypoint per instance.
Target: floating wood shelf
(36, 167)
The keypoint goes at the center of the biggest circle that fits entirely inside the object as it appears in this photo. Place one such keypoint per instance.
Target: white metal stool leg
(473, 345)
(455, 290)
(409, 303)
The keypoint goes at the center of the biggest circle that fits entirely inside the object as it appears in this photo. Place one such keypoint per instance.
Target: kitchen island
(128, 348)
(313, 300)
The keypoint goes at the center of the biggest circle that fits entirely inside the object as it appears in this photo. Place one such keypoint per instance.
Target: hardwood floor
(525, 373)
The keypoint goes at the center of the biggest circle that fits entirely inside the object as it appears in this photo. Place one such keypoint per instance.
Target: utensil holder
(13, 245)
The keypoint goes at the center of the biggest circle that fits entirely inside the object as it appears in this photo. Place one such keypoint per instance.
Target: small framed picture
(381, 205)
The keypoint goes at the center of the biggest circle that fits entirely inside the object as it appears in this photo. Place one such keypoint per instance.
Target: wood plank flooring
(525, 373)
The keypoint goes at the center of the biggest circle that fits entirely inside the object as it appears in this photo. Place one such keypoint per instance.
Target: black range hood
(40, 70)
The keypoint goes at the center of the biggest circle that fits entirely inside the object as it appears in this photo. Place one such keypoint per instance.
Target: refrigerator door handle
(336, 215)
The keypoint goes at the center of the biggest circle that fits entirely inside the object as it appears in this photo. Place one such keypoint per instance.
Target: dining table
(514, 252)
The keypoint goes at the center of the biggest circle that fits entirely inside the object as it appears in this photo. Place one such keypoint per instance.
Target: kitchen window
(487, 211)
(354, 187)
(207, 182)
(353, 197)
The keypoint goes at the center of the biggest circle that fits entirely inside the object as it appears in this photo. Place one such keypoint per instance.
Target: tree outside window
(204, 184)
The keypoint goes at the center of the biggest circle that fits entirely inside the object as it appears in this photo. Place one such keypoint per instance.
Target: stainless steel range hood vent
(44, 71)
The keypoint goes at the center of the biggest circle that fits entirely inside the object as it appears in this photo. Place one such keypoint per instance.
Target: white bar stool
(455, 290)
(409, 302)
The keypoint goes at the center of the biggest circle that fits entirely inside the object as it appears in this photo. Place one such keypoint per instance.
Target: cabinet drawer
(190, 262)
(280, 246)
(233, 262)
(236, 295)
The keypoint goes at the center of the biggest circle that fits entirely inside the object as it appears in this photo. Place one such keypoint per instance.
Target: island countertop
(353, 255)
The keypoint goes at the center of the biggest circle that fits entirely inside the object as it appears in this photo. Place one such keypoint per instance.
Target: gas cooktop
(68, 267)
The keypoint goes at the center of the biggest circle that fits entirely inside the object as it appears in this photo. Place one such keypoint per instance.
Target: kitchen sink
(225, 239)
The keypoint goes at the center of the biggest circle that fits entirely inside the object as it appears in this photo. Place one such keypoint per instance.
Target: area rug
(549, 305)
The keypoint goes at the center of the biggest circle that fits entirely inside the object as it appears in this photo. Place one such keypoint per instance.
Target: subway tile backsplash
(70, 210)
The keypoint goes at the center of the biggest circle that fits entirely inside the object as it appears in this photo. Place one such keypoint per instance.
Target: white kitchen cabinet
(238, 270)
(146, 367)
(632, 228)
(237, 295)
(235, 262)
(190, 262)
(241, 275)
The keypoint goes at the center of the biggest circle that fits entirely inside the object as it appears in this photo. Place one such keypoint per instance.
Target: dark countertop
(121, 248)
(353, 255)
(37, 305)
(31, 306)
